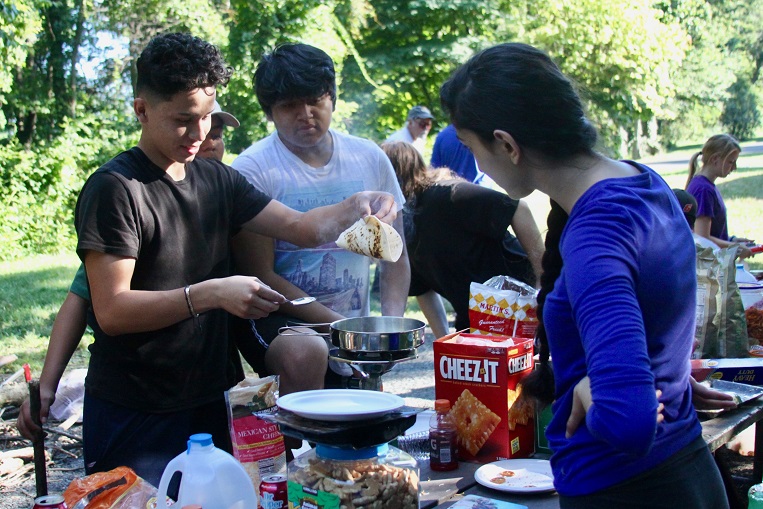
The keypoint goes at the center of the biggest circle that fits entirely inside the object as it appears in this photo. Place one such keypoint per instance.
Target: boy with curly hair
(154, 226)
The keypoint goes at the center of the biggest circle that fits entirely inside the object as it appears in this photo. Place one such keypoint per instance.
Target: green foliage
(431, 38)
(19, 22)
(741, 115)
(39, 189)
(258, 26)
(664, 66)
(726, 37)
(619, 52)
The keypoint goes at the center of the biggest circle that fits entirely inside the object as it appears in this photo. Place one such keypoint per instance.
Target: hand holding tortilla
(371, 237)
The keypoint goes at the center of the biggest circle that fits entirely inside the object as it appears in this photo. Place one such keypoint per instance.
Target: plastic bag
(503, 306)
(721, 329)
(70, 396)
(120, 488)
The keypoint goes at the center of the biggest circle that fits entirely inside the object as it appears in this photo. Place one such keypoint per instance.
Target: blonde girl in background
(719, 158)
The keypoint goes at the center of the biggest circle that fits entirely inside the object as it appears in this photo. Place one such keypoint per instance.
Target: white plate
(340, 404)
(527, 476)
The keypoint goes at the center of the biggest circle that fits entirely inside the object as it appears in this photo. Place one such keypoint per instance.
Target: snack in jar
(379, 477)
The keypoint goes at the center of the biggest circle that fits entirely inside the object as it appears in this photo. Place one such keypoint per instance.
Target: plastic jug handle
(175, 465)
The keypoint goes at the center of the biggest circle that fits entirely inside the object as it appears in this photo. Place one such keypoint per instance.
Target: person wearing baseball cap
(213, 146)
(416, 129)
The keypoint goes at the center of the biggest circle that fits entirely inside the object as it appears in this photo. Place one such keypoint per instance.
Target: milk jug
(211, 478)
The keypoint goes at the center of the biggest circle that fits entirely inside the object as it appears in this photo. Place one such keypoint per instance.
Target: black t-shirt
(178, 233)
(456, 233)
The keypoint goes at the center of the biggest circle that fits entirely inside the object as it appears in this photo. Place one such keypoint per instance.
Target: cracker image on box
(474, 422)
(520, 410)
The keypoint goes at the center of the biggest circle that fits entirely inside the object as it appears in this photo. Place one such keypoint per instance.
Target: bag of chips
(721, 329)
(503, 306)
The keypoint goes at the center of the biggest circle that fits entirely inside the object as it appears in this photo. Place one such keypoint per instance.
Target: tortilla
(371, 237)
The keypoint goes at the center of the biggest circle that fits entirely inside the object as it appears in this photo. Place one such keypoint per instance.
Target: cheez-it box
(480, 376)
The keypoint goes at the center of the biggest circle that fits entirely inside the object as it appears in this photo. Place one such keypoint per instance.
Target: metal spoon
(301, 300)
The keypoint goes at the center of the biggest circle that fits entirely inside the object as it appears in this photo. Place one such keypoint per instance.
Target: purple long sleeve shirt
(710, 203)
(622, 312)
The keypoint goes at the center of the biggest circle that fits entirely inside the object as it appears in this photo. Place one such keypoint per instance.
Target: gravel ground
(17, 490)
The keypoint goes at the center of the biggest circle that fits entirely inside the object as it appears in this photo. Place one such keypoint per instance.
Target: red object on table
(442, 438)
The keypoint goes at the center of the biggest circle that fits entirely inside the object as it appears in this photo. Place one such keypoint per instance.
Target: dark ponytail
(540, 383)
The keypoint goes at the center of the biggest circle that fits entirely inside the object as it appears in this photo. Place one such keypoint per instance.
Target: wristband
(187, 290)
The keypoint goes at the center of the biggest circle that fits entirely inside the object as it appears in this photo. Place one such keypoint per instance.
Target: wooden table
(726, 426)
(442, 489)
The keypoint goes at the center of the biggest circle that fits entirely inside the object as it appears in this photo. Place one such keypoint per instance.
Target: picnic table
(442, 489)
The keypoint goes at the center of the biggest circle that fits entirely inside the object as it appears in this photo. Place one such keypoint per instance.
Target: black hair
(294, 71)
(517, 88)
(180, 62)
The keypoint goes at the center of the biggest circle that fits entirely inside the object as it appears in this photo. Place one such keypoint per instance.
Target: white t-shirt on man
(338, 278)
(403, 134)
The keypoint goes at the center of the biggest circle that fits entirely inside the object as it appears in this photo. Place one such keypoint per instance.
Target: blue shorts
(115, 436)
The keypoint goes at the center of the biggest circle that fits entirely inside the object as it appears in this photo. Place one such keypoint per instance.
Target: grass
(32, 290)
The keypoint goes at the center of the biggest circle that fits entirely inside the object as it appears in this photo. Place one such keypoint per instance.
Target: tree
(138, 21)
(409, 49)
(726, 38)
(45, 86)
(19, 23)
(620, 53)
(741, 113)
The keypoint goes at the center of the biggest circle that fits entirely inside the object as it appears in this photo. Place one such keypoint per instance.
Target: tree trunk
(76, 43)
(637, 139)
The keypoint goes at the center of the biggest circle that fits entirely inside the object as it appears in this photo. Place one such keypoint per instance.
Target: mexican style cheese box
(481, 377)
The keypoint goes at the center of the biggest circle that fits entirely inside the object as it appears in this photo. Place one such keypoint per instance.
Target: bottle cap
(199, 439)
(441, 405)
(342, 453)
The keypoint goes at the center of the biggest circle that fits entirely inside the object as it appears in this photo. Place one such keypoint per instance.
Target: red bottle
(442, 438)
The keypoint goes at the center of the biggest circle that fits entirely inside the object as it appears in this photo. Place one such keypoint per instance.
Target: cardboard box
(479, 377)
(541, 423)
(746, 371)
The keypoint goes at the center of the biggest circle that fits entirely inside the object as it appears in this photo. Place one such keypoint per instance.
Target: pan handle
(290, 329)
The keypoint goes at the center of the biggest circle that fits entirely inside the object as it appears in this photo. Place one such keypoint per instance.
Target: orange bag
(120, 488)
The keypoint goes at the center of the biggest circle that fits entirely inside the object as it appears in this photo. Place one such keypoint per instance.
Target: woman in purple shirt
(719, 159)
(624, 432)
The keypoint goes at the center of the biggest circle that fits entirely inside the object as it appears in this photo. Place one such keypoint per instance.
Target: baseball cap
(688, 205)
(226, 117)
(420, 112)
